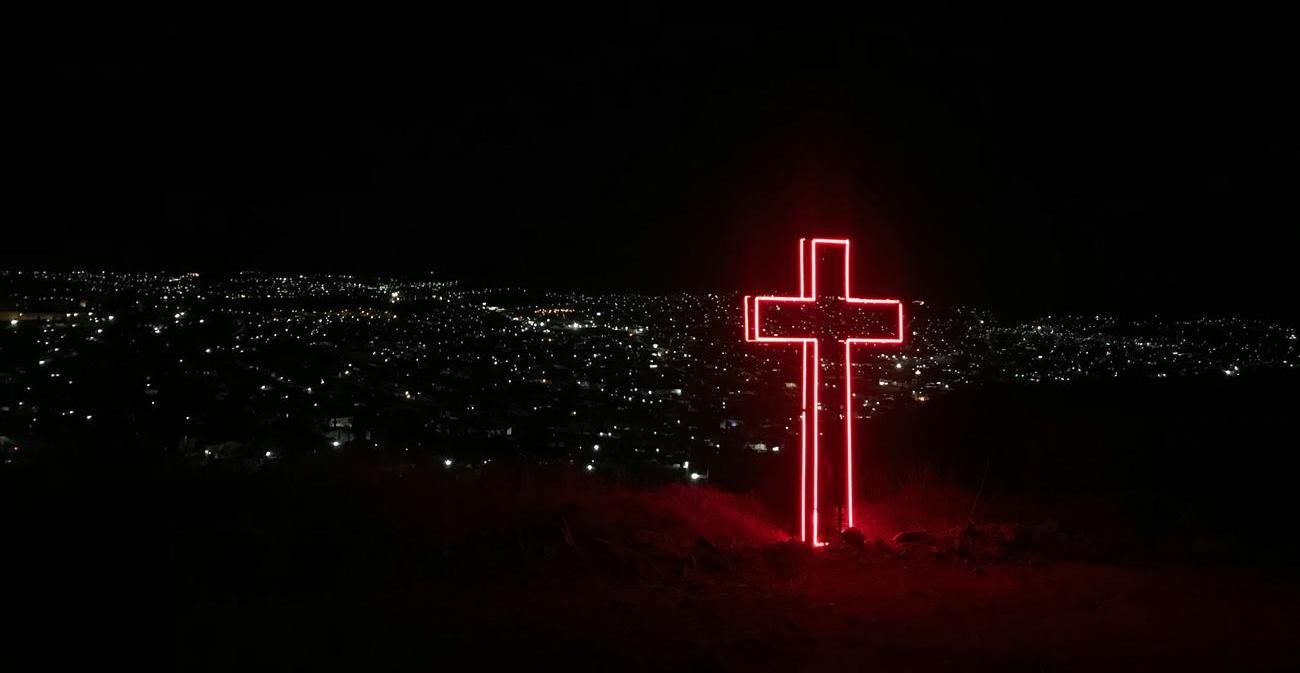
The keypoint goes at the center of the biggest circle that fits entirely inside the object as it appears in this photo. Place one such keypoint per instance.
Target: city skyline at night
(490, 364)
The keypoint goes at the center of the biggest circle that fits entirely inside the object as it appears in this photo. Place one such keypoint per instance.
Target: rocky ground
(584, 591)
(354, 566)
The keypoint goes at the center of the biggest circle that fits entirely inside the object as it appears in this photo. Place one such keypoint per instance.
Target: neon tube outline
(808, 294)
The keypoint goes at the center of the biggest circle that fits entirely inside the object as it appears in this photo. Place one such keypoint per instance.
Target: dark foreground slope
(1157, 538)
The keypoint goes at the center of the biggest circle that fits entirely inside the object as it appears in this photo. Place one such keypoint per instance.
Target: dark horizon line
(1020, 314)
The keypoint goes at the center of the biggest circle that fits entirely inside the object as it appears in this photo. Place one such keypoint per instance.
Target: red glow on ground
(809, 504)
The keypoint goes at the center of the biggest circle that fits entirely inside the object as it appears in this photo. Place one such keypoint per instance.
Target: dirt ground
(838, 609)
(367, 571)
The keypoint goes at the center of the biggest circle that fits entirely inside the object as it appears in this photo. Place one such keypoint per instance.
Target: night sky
(1025, 163)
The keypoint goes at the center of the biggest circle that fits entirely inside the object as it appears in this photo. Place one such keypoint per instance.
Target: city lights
(485, 371)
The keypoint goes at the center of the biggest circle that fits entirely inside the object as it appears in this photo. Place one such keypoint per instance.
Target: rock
(853, 537)
(687, 567)
(702, 544)
(914, 537)
(618, 560)
(787, 558)
(990, 542)
(709, 557)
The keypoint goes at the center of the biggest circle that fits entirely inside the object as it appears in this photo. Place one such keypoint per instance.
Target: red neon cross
(817, 315)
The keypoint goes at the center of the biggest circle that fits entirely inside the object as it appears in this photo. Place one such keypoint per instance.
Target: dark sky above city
(1086, 161)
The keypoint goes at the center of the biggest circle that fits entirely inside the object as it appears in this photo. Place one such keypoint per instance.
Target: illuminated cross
(809, 319)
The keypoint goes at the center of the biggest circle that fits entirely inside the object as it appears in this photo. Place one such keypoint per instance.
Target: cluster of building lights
(425, 369)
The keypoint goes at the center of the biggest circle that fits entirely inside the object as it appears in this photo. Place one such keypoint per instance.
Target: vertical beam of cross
(825, 314)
